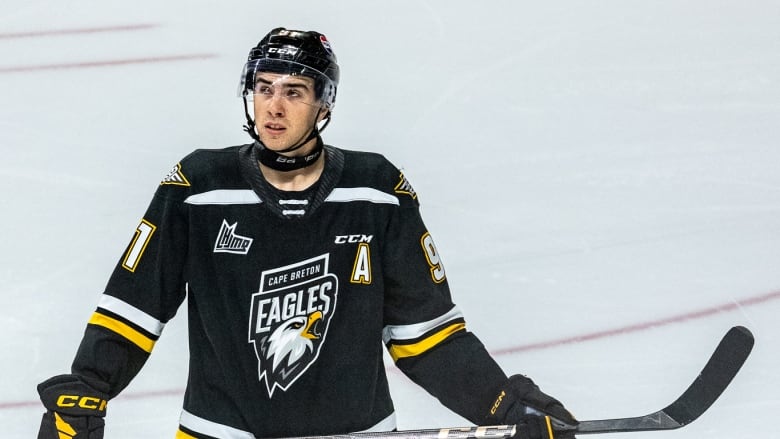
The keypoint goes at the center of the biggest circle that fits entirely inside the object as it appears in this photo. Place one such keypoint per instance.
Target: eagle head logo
(292, 339)
(290, 349)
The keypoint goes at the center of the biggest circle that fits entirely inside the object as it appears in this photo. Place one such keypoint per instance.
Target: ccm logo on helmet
(283, 50)
(85, 402)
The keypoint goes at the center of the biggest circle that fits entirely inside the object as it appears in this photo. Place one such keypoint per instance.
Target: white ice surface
(583, 167)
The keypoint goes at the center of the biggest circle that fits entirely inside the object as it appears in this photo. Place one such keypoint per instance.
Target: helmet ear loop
(250, 123)
(326, 118)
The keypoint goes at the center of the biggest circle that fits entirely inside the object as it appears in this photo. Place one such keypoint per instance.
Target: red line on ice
(107, 63)
(76, 31)
(693, 315)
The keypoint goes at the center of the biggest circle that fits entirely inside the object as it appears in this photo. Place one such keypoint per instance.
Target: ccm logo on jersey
(352, 239)
(85, 402)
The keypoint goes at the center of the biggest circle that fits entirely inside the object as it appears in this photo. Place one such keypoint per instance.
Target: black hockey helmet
(294, 52)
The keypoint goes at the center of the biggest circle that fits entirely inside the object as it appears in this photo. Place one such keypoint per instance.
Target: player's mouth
(274, 129)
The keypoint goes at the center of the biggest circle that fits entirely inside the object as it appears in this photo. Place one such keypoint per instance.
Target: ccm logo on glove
(85, 402)
(498, 402)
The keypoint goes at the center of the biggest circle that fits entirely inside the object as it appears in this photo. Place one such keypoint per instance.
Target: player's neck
(295, 180)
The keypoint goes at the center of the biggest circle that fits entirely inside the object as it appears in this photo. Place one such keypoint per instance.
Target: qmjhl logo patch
(228, 241)
(289, 320)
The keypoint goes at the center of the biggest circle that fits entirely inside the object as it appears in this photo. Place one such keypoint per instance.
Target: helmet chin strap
(284, 163)
(279, 162)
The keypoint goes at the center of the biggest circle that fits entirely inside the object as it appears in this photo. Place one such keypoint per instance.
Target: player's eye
(263, 89)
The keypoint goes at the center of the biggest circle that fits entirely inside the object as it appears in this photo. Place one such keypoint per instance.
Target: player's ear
(323, 114)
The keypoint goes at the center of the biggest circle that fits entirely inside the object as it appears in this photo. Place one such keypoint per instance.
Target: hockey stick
(717, 374)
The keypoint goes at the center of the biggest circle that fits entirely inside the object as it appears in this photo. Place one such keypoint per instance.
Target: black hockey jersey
(292, 297)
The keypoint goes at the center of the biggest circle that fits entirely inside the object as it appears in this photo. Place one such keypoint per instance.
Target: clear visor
(291, 81)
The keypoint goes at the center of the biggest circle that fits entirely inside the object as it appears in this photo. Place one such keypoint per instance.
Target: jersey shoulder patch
(176, 177)
(404, 187)
(375, 170)
(202, 170)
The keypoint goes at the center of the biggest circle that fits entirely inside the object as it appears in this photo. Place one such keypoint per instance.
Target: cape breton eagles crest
(289, 319)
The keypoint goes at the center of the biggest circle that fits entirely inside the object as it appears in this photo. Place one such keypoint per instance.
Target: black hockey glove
(75, 407)
(536, 414)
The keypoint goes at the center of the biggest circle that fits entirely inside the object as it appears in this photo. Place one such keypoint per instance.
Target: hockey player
(300, 262)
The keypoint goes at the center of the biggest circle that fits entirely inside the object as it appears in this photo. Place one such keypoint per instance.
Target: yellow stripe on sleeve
(411, 350)
(182, 435)
(123, 329)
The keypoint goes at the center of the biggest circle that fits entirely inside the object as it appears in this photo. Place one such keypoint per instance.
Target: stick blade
(720, 370)
(717, 374)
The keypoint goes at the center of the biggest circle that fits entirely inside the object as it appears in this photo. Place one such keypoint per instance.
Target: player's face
(286, 109)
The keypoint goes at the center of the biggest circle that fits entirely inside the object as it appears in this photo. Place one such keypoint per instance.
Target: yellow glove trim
(549, 427)
(64, 430)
